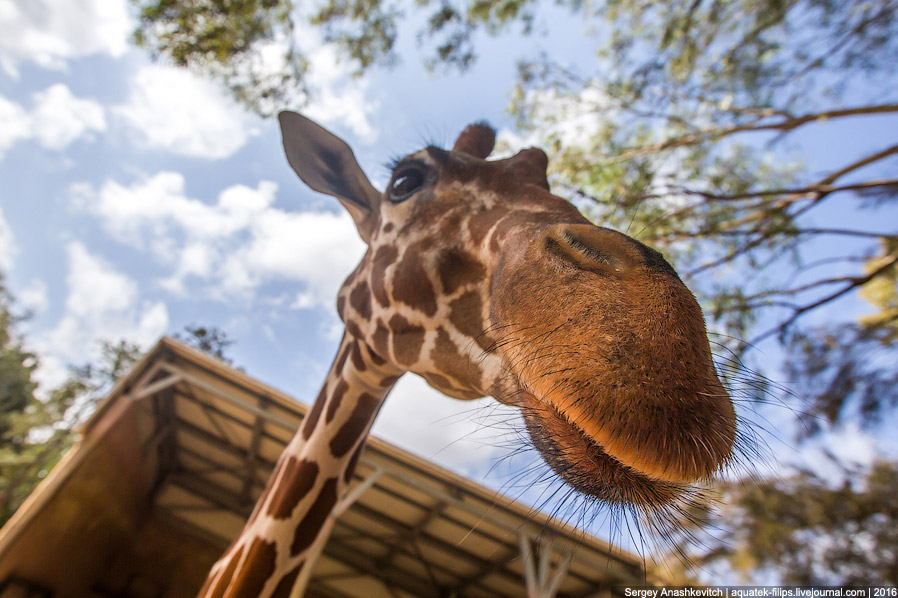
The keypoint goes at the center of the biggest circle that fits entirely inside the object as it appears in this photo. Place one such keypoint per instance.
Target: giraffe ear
(326, 164)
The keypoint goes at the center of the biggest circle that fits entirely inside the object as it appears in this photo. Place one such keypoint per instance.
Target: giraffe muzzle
(611, 354)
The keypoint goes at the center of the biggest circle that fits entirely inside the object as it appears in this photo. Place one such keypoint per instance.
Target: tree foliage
(256, 47)
(37, 428)
(16, 412)
(808, 531)
(247, 44)
(213, 341)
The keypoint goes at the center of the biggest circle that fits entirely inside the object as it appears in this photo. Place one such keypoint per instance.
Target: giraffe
(481, 281)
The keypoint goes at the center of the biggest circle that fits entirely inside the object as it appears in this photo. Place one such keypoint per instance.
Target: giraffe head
(480, 280)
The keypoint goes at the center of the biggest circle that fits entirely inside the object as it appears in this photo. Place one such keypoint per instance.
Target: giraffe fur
(483, 282)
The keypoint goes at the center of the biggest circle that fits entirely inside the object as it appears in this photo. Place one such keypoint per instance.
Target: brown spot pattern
(407, 340)
(308, 426)
(388, 381)
(458, 268)
(357, 359)
(437, 380)
(285, 586)
(335, 400)
(375, 358)
(353, 329)
(381, 339)
(353, 462)
(360, 300)
(257, 568)
(410, 283)
(355, 425)
(481, 223)
(341, 305)
(311, 524)
(383, 257)
(454, 363)
(341, 358)
(298, 480)
(466, 314)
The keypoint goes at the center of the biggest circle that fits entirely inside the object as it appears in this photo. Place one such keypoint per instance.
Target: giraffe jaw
(586, 466)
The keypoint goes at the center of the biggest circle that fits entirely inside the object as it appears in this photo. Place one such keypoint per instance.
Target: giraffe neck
(292, 519)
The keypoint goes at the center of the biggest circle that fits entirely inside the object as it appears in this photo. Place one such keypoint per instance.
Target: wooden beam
(230, 397)
(242, 454)
(212, 466)
(212, 492)
(145, 390)
(439, 543)
(490, 567)
(252, 459)
(413, 532)
(413, 554)
(359, 561)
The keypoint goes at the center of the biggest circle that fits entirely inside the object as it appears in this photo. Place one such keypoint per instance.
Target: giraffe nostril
(592, 247)
(590, 252)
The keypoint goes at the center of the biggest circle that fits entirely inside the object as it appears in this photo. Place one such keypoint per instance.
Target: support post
(542, 580)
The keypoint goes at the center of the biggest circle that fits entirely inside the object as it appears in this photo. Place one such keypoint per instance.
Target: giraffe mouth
(585, 465)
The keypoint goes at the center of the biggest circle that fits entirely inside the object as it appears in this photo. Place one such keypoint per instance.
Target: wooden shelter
(172, 462)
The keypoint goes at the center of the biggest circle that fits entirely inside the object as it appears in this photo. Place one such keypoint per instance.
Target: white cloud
(33, 298)
(174, 110)
(153, 207)
(317, 248)
(49, 33)
(337, 96)
(14, 124)
(57, 119)
(237, 243)
(101, 304)
(7, 243)
(558, 117)
(94, 287)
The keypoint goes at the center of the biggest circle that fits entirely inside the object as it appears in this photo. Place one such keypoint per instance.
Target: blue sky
(137, 199)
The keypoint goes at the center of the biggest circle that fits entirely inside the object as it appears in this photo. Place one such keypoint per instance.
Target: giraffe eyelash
(397, 160)
(393, 163)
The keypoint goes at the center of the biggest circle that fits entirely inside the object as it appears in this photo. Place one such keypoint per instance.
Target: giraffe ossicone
(480, 280)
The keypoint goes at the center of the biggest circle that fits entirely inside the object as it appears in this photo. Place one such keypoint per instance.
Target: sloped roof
(210, 435)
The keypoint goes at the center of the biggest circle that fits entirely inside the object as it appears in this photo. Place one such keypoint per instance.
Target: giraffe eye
(406, 181)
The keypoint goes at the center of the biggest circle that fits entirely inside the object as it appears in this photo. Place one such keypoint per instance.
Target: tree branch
(853, 283)
(786, 124)
(829, 180)
(821, 187)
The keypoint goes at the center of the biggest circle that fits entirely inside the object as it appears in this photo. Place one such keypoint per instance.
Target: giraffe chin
(587, 467)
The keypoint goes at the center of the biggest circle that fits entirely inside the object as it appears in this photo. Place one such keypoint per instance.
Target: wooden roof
(209, 436)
